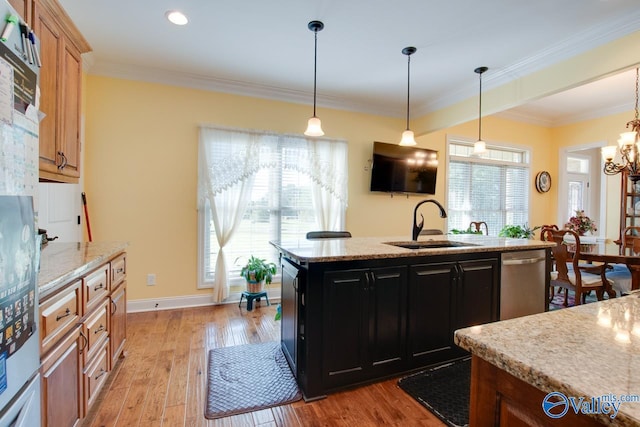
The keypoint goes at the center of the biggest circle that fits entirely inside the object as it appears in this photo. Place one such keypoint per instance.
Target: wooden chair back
(478, 226)
(560, 251)
(567, 274)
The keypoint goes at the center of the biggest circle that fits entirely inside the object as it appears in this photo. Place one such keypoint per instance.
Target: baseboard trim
(169, 303)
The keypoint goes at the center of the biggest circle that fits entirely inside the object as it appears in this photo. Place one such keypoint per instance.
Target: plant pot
(255, 287)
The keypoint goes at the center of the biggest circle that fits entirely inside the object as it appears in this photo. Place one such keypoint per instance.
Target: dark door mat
(443, 390)
(248, 378)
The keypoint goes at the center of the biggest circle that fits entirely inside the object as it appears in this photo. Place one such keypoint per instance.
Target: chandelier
(628, 148)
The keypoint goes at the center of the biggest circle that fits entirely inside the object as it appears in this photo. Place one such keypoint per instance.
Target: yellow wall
(141, 168)
(606, 130)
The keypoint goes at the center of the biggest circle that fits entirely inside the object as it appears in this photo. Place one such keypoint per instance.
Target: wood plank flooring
(162, 379)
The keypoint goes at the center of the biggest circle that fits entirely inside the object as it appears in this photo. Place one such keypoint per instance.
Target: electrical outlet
(151, 279)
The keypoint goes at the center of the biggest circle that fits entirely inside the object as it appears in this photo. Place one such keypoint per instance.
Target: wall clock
(543, 182)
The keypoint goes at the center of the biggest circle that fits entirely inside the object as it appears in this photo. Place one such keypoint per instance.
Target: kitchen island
(590, 351)
(356, 310)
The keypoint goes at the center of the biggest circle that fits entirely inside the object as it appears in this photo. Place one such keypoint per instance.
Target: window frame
(459, 140)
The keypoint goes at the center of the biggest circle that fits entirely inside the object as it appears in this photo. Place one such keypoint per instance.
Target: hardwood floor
(162, 379)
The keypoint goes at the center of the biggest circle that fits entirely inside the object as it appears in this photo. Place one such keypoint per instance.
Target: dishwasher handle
(522, 261)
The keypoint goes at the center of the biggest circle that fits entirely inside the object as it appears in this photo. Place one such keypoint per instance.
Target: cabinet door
(62, 384)
(477, 298)
(346, 326)
(50, 48)
(289, 312)
(118, 321)
(70, 107)
(387, 318)
(22, 7)
(431, 299)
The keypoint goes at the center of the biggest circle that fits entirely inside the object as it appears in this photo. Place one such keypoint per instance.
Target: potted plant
(467, 231)
(256, 272)
(518, 231)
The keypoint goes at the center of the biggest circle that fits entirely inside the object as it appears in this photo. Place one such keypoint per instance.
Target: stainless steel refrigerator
(19, 251)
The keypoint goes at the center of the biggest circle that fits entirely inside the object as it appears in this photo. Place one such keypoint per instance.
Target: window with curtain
(493, 188)
(259, 186)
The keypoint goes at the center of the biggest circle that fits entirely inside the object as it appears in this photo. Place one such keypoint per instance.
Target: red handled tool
(86, 214)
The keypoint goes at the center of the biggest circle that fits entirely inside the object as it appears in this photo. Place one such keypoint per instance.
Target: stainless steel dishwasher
(522, 283)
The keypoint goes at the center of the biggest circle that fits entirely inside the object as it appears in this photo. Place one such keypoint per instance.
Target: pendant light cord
(408, 86)
(480, 111)
(315, 68)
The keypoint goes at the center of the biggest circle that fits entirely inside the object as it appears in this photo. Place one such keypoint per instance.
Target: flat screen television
(398, 169)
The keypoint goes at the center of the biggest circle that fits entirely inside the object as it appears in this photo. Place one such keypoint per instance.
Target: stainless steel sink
(429, 244)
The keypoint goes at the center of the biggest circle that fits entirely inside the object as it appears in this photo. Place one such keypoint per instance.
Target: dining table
(610, 253)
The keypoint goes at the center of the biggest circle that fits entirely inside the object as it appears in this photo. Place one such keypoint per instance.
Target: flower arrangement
(581, 223)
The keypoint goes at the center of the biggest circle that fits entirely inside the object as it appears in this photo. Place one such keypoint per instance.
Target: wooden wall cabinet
(23, 7)
(83, 331)
(61, 45)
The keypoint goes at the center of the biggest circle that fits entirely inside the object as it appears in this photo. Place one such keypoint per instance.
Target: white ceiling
(264, 49)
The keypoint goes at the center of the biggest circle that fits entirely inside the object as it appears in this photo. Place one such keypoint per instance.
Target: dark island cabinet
(443, 297)
(364, 324)
(354, 322)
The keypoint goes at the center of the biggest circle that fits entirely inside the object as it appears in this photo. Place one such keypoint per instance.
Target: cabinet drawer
(118, 270)
(95, 375)
(96, 330)
(58, 315)
(96, 287)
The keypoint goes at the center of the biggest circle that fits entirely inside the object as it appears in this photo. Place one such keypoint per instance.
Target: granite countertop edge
(366, 248)
(65, 263)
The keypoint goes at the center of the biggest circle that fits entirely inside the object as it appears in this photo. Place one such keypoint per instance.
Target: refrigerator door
(19, 336)
(24, 411)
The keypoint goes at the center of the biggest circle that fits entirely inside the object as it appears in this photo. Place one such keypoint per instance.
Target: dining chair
(478, 226)
(569, 274)
(327, 234)
(619, 274)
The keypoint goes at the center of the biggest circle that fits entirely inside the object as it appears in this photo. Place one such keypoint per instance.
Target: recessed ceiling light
(176, 17)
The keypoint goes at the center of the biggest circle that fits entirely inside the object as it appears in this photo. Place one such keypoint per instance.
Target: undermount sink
(428, 244)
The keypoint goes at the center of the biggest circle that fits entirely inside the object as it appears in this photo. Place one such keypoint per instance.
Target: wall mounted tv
(398, 169)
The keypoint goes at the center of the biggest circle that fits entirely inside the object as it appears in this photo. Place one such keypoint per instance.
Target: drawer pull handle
(102, 372)
(115, 307)
(62, 316)
(100, 286)
(100, 329)
(120, 270)
(85, 344)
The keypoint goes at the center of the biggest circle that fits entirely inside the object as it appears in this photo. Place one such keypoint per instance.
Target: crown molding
(565, 49)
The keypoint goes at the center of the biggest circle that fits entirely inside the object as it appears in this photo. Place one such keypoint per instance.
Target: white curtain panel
(229, 160)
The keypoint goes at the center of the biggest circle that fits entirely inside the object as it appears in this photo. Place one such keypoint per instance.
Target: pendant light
(314, 126)
(407, 135)
(480, 146)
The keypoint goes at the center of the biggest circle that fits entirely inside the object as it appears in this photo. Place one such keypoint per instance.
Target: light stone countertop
(62, 262)
(591, 350)
(357, 248)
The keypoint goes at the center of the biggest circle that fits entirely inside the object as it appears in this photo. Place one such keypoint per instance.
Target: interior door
(59, 211)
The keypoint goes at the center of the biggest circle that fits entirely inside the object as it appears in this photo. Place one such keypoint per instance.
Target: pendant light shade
(314, 126)
(480, 146)
(407, 135)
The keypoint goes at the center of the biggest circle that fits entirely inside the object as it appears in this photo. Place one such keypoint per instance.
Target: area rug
(248, 378)
(557, 302)
(443, 390)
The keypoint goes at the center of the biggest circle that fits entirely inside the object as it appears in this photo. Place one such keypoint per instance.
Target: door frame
(563, 182)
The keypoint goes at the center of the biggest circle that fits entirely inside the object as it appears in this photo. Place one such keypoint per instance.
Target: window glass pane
(578, 164)
(492, 188)
(575, 197)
